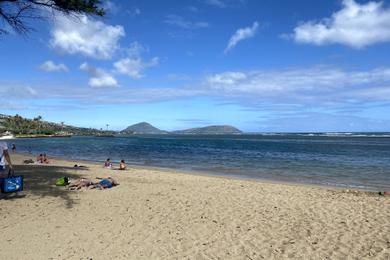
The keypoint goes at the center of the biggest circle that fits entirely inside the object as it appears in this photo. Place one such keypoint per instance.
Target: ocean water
(348, 160)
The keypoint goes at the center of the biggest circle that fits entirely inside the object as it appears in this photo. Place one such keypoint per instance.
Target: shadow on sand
(40, 181)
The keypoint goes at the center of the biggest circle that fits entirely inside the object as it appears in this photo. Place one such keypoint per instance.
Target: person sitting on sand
(44, 159)
(122, 165)
(108, 164)
(40, 158)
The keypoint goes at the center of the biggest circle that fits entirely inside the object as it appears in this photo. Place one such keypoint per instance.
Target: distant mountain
(142, 128)
(210, 130)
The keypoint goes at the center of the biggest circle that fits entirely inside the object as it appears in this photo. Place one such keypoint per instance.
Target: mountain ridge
(210, 130)
(147, 128)
(142, 128)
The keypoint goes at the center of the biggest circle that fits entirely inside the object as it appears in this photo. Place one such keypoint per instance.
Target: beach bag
(12, 183)
(63, 181)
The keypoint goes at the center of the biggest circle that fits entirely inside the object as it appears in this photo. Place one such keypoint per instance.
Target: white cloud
(134, 65)
(183, 23)
(355, 25)
(303, 86)
(277, 91)
(226, 78)
(111, 7)
(242, 34)
(50, 66)
(99, 77)
(136, 49)
(86, 36)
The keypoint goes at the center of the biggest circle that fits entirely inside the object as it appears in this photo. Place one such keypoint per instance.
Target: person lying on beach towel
(104, 183)
(81, 183)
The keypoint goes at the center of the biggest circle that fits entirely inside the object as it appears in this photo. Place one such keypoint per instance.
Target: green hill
(24, 127)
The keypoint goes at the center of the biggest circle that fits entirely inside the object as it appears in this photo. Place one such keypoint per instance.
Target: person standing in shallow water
(4, 157)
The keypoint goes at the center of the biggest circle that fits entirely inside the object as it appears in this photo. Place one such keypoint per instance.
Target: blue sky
(265, 66)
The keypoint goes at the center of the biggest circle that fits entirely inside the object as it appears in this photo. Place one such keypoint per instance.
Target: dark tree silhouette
(17, 13)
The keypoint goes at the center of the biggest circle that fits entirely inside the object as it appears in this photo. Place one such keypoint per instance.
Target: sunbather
(108, 164)
(104, 183)
(122, 165)
(81, 183)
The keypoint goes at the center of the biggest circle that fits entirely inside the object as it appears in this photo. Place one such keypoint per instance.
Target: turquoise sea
(354, 160)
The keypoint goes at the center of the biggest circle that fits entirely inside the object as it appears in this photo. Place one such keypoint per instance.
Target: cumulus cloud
(86, 36)
(136, 49)
(242, 34)
(99, 77)
(50, 66)
(179, 21)
(134, 65)
(355, 25)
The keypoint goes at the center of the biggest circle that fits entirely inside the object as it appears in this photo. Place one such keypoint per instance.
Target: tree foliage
(16, 14)
(18, 126)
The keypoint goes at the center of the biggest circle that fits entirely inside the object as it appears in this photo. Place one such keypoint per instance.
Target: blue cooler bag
(11, 183)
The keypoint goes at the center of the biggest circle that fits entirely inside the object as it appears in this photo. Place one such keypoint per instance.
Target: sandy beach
(163, 214)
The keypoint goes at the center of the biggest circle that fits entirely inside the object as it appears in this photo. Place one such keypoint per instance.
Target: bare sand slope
(165, 215)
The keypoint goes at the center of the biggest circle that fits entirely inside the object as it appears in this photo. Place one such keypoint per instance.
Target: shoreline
(216, 175)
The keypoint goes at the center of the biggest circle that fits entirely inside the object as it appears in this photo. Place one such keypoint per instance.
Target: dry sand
(156, 214)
